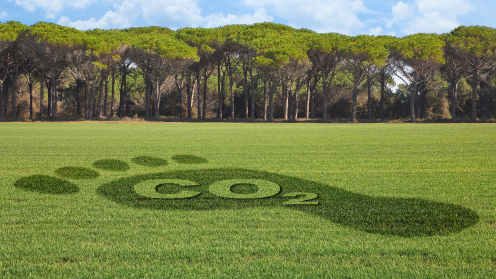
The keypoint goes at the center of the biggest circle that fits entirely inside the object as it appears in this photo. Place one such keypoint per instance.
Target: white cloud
(401, 11)
(260, 15)
(52, 7)
(318, 15)
(375, 31)
(3, 14)
(173, 13)
(123, 16)
(428, 16)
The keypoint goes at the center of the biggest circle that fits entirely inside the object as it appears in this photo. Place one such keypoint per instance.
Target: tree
(161, 56)
(365, 55)
(12, 58)
(417, 58)
(327, 53)
(53, 44)
(475, 47)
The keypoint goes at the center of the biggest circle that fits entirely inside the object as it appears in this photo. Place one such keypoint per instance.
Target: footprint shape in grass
(47, 184)
(234, 188)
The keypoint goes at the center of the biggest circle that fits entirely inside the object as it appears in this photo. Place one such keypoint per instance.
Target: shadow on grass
(189, 159)
(46, 184)
(406, 217)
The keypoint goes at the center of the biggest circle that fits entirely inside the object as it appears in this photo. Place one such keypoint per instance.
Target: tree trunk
(474, 94)
(422, 101)
(454, 87)
(295, 115)
(100, 96)
(265, 100)
(53, 78)
(30, 84)
(78, 105)
(324, 101)
(354, 100)
(272, 89)
(381, 105)
(412, 102)
(286, 101)
(14, 92)
(231, 87)
(252, 99)
(113, 91)
(245, 89)
(307, 107)
(198, 90)
(219, 92)
(312, 102)
(105, 97)
(369, 98)
(148, 89)
(1, 98)
(205, 85)
(122, 92)
(488, 103)
(156, 102)
(189, 96)
(49, 96)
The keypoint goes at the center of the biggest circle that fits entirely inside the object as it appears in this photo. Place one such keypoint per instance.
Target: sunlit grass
(369, 177)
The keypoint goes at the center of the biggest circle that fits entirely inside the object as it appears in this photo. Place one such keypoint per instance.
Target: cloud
(123, 17)
(318, 15)
(3, 14)
(260, 15)
(51, 7)
(401, 11)
(375, 31)
(428, 16)
(173, 14)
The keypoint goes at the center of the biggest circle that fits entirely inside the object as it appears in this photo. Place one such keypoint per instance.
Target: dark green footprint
(407, 217)
(189, 159)
(111, 165)
(46, 184)
(149, 161)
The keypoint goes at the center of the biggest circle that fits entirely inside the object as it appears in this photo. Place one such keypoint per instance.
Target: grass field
(394, 200)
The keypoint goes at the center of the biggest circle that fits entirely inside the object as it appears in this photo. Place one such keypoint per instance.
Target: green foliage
(473, 40)
(105, 41)
(372, 50)
(10, 31)
(420, 46)
(202, 38)
(327, 43)
(57, 34)
(167, 46)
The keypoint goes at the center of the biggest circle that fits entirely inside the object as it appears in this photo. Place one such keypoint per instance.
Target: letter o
(265, 188)
(148, 189)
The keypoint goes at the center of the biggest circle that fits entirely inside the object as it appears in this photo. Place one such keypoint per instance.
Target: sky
(350, 17)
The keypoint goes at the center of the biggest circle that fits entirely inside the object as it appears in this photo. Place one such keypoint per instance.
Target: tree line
(259, 71)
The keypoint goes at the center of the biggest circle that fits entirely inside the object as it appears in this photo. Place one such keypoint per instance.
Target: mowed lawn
(403, 175)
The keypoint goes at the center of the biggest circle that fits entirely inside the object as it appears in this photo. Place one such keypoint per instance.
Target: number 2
(301, 198)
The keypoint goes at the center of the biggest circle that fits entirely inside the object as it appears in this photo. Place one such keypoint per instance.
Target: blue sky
(351, 17)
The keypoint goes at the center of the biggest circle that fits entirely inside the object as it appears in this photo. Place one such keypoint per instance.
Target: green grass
(395, 201)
